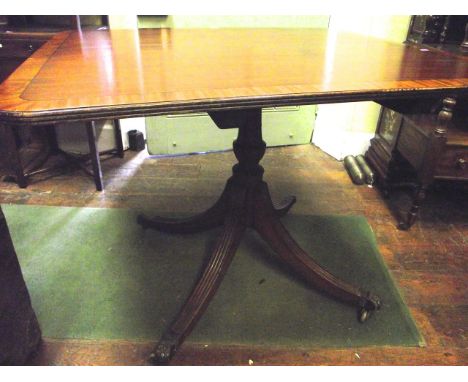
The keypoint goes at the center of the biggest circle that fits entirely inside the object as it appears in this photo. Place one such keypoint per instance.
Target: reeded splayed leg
(202, 293)
(213, 217)
(275, 234)
(264, 218)
(281, 209)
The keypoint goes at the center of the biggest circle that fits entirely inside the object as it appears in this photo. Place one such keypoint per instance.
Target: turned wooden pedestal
(245, 203)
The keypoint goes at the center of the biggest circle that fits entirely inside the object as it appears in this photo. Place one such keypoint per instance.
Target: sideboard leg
(94, 153)
(411, 216)
(118, 138)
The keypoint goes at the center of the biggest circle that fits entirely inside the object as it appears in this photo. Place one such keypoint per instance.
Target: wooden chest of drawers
(414, 144)
(453, 164)
(422, 145)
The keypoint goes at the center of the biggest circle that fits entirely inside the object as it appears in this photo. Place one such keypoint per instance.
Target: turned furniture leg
(94, 154)
(118, 138)
(426, 170)
(203, 291)
(410, 218)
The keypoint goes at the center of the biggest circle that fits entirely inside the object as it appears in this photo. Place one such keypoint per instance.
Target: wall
(196, 21)
(346, 129)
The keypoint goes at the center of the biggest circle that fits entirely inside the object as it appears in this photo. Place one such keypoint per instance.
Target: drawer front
(18, 48)
(453, 164)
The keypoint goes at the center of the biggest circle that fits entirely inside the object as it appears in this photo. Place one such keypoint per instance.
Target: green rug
(95, 274)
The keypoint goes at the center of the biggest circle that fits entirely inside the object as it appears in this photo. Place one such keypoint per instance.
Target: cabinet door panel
(190, 133)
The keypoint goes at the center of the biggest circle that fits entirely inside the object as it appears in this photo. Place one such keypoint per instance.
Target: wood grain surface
(124, 73)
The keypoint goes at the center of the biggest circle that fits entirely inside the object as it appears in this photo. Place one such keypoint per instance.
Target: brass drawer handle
(461, 163)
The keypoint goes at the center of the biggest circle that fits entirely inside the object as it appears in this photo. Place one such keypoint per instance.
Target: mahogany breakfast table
(231, 74)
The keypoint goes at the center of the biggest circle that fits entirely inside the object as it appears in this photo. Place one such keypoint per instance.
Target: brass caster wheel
(364, 315)
(368, 304)
(162, 354)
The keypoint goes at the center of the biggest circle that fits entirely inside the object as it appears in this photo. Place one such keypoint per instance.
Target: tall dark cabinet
(420, 142)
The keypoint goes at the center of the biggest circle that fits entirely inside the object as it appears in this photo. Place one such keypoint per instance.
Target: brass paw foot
(162, 353)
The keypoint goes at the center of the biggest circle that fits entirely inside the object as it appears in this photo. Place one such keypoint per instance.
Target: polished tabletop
(118, 73)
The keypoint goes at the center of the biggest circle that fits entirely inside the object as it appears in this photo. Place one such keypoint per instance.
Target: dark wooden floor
(429, 262)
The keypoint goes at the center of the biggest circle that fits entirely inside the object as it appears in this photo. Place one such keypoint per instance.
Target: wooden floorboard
(429, 262)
